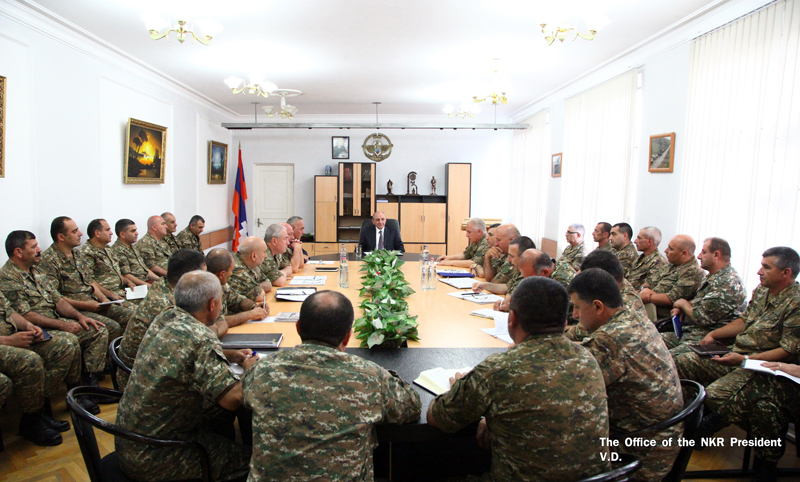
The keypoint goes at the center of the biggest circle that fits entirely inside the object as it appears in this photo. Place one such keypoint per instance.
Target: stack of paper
(287, 316)
(483, 313)
(437, 380)
(480, 298)
(458, 283)
(136, 293)
(500, 330)
(314, 261)
(294, 294)
(308, 280)
(756, 365)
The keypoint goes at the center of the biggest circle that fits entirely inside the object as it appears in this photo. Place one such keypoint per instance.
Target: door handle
(259, 222)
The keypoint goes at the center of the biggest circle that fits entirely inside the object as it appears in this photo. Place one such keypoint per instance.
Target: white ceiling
(414, 56)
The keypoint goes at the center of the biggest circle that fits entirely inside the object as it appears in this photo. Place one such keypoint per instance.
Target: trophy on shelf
(412, 183)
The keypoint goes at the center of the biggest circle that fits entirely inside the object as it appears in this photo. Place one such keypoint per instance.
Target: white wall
(67, 111)
(423, 151)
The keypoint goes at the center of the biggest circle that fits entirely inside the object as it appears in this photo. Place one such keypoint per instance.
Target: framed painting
(2, 127)
(662, 153)
(555, 165)
(341, 147)
(217, 162)
(146, 153)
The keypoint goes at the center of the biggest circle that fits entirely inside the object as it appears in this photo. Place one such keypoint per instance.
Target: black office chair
(627, 465)
(116, 362)
(693, 397)
(107, 469)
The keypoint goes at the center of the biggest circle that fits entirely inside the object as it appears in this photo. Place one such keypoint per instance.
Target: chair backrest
(85, 423)
(116, 361)
(627, 465)
(693, 397)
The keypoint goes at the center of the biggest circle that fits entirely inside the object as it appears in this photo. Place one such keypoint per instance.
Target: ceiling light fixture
(255, 85)
(494, 96)
(155, 24)
(286, 111)
(560, 30)
(466, 109)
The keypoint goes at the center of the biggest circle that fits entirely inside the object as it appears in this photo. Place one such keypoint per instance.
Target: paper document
(111, 302)
(484, 313)
(458, 283)
(480, 298)
(308, 280)
(137, 293)
(500, 330)
(287, 316)
(237, 369)
(437, 380)
(294, 294)
(314, 261)
(269, 319)
(756, 366)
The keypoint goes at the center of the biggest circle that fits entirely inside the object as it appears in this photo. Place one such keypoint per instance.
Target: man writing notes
(181, 384)
(314, 406)
(543, 400)
(641, 381)
(473, 255)
(380, 236)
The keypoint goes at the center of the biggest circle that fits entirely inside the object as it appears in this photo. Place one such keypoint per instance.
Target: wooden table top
(444, 321)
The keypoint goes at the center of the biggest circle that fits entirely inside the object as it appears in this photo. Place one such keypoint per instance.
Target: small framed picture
(662, 153)
(341, 147)
(555, 166)
(217, 162)
(146, 147)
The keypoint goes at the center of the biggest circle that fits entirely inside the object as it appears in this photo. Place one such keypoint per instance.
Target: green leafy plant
(386, 321)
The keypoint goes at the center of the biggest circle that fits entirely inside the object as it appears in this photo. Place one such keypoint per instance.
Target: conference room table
(449, 337)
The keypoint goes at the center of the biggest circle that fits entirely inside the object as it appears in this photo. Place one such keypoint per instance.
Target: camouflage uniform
(6, 388)
(171, 242)
(24, 373)
(158, 300)
(477, 251)
(188, 240)
(608, 247)
(285, 259)
(271, 266)
(573, 255)
(153, 251)
(563, 273)
(129, 260)
(314, 408)
(181, 369)
(34, 293)
(545, 406)
(631, 300)
(60, 356)
(642, 385)
(104, 265)
(678, 282)
(627, 256)
(73, 279)
(512, 282)
(717, 303)
(245, 280)
(764, 407)
(770, 322)
(648, 269)
(502, 269)
(231, 302)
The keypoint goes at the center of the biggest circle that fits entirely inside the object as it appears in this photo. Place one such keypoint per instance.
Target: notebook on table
(254, 341)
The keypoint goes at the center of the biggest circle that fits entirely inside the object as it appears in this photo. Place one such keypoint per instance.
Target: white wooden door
(274, 195)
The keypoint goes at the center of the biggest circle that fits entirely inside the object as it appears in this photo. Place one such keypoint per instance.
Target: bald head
(535, 263)
(157, 227)
(251, 244)
(504, 234)
(680, 250)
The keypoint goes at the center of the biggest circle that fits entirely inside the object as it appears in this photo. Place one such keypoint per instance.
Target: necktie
(380, 239)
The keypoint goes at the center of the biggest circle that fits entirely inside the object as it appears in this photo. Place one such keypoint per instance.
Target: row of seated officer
(54, 330)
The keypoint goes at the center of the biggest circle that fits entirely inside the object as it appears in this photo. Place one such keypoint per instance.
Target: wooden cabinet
(356, 188)
(458, 178)
(391, 210)
(423, 222)
(325, 219)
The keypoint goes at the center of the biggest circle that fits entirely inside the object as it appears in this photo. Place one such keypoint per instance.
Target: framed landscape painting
(555, 165)
(662, 153)
(217, 162)
(146, 152)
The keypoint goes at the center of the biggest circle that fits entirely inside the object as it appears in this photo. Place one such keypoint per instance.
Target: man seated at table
(276, 269)
(236, 309)
(314, 406)
(380, 236)
(641, 380)
(473, 255)
(247, 278)
(294, 251)
(158, 300)
(496, 267)
(532, 262)
(515, 248)
(296, 234)
(131, 264)
(183, 384)
(543, 400)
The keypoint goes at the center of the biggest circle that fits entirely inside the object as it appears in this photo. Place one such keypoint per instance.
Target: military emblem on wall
(377, 147)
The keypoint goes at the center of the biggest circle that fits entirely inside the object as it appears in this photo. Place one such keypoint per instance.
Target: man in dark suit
(380, 236)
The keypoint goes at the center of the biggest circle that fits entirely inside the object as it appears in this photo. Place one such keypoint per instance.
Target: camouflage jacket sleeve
(690, 276)
(718, 301)
(606, 351)
(270, 268)
(467, 401)
(401, 403)
(233, 300)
